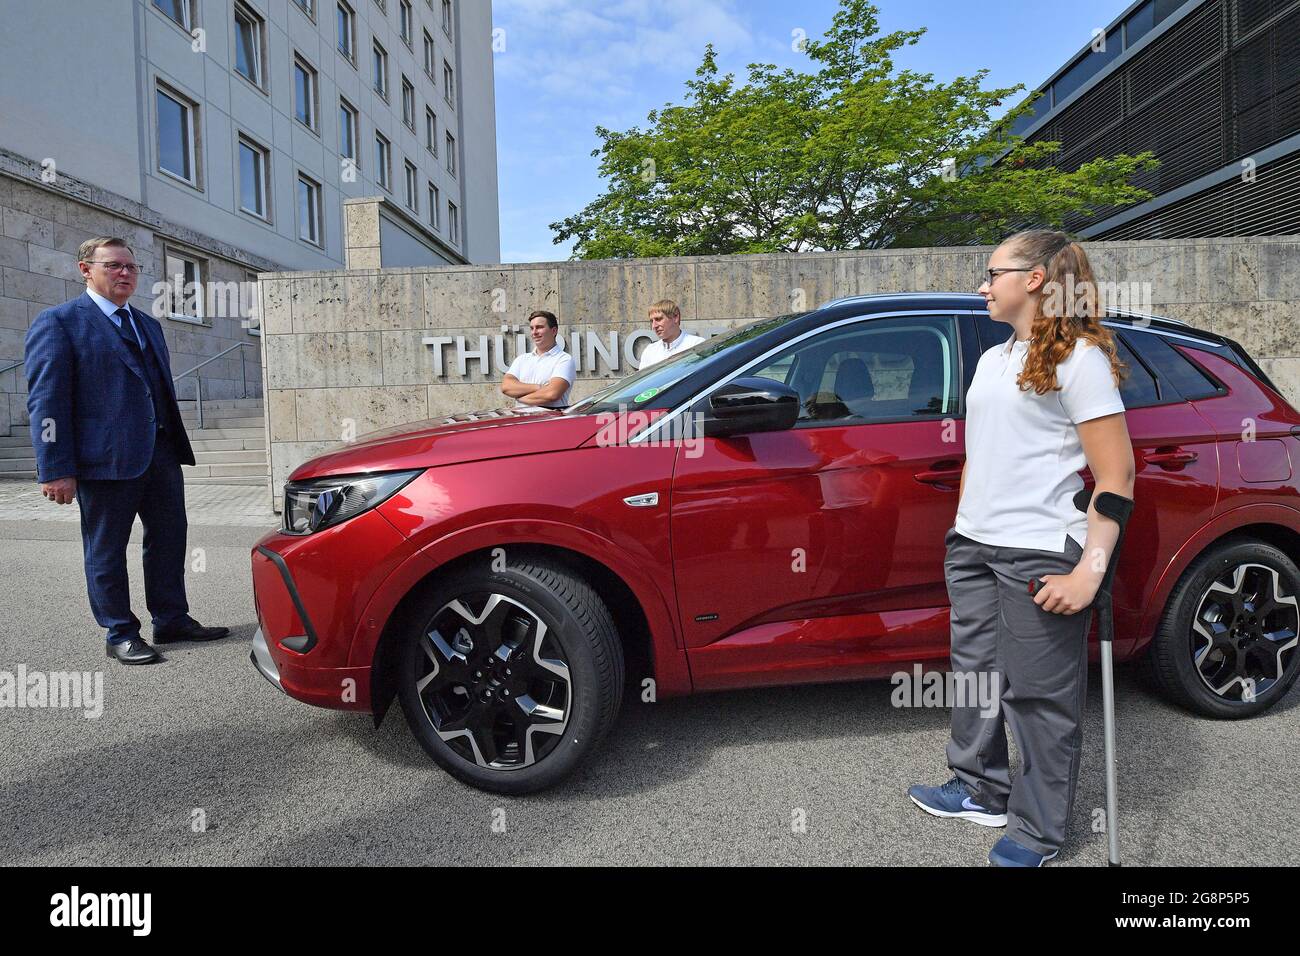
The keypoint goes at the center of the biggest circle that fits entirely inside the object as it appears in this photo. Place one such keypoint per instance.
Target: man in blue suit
(107, 431)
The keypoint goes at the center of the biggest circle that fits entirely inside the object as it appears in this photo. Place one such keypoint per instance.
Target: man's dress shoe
(133, 651)
(191, 632)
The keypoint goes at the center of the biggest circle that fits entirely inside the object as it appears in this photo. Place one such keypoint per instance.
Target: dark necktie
(127, 328)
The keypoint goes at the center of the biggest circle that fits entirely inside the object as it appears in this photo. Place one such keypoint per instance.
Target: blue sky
(571, 65)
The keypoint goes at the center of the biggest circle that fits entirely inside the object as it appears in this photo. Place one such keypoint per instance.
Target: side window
(991, 333)
(876, 370)
(1179, 378)
(1138, 387)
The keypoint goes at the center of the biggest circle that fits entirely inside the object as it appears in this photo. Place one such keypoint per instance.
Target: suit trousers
(108, 511)
(1040, 660)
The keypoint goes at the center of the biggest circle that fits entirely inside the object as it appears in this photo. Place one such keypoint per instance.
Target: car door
(816, 553)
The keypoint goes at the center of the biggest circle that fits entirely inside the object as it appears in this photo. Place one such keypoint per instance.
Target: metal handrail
(10, 368)
(198, 381)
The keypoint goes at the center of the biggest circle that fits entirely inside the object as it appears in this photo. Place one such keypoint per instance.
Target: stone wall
(40, 230)
(345, 351)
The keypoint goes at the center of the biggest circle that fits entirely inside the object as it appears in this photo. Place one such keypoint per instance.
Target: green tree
(852, 154)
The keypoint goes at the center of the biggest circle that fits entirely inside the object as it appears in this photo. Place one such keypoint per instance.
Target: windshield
(640, 388)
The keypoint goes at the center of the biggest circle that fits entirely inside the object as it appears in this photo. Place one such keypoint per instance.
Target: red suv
(767, 508)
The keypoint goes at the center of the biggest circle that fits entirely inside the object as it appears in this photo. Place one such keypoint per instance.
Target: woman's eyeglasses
(994, 273)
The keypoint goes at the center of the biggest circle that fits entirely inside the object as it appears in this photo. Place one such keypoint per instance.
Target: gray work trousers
(1041, 662)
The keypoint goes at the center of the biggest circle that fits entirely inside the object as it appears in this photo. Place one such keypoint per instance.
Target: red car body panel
(805, 555)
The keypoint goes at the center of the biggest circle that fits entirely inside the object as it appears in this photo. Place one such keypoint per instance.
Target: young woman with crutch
(1041, 406)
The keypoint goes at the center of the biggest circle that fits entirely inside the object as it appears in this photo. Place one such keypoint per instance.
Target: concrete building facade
(224, 138)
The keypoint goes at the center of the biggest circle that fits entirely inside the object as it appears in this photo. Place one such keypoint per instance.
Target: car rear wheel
(511, 676)
(1227, 645)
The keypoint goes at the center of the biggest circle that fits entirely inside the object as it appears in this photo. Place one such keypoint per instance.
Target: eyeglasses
(994, 273)
(128, 267)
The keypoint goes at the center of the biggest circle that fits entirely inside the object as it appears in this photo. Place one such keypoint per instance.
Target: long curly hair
(1067, 307)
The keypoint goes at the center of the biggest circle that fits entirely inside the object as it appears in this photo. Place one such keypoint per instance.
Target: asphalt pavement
(200, 761)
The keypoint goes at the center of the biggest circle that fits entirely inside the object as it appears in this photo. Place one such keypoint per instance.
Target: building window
(307, 6)
(252, 321)
(451, 154)
(408, 104)
(309, 210)
(404, 21)
(347, 31)
(382, 5)
(254, 178)
(250, 36)
(304, 93)
(412, 188)
(428, 54)
(453, 222)
(448, 83)
(181, 12)
(433, 205)
(183, 297)
(176, 145)
(430, 131)
(348, 131)
(383, 158)
(446, 17)
(381, 70)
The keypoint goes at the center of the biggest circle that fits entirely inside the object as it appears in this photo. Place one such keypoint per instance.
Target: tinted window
(872, 371)
(1177, 374)
(991, 333)
(1138, 387)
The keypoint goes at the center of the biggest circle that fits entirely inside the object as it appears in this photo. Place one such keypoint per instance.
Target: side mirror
(748, 405)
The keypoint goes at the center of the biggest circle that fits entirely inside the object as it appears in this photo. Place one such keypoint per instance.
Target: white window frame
(384, 161)
(169, 277)
(350, 29)
(188, 11)
(380, 70)
(431, 130)
(406, 23)
(446, 17)
(412, 187)
(451, 153)
(316, 210)
(448, 84)
(313, 92)
(192, 137)
(435, 201)
(258, 25)
(264, 154)
(408, 103)
(308, 7)
(353, 124)
(453, 223)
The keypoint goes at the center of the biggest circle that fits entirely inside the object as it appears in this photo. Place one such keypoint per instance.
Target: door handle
(1172, 458)
(942, 476)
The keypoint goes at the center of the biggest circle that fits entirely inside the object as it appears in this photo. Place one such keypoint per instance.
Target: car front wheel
(512, 675)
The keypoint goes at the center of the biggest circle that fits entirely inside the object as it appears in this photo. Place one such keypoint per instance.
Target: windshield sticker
(648, 394)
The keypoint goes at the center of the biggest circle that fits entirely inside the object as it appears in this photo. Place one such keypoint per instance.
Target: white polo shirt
(533, 369)
(1023, 450)
(658, 350)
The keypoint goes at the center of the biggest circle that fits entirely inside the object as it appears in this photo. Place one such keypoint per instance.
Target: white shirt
(533, 369)
(659, 350)
(110, 309)
(1023, 450)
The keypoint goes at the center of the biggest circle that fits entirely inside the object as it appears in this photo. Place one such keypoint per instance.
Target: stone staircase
(230, 448)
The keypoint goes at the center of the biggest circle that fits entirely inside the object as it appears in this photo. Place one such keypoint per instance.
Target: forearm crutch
(1119, 509)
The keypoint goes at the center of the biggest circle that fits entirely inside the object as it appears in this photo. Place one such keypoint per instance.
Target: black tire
(497, 744)
(1214, 685)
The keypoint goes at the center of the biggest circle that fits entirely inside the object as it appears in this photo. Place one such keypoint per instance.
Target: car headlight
(321, 502)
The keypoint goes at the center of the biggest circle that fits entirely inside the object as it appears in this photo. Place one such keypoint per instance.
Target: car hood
(472, 436)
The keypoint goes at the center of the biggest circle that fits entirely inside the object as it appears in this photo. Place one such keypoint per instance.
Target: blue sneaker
(1007, 852)
(955, 799)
